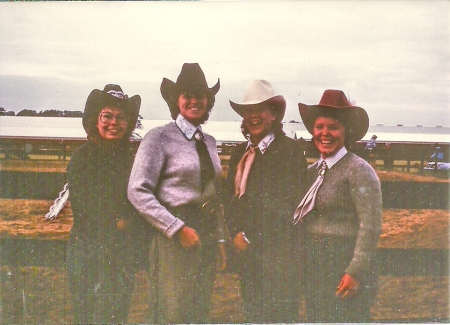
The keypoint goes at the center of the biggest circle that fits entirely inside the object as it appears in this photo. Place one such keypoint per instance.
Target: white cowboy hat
(258, 92)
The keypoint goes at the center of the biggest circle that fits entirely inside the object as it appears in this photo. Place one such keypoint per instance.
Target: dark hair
(91, 125)
(175, 109)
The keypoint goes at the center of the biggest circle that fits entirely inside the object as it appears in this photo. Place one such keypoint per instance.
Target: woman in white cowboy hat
(264, 183)
(107, 234)
(174, 185)
(341, 215)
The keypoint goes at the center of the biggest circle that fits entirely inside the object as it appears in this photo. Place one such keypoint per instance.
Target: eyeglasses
(107, 118)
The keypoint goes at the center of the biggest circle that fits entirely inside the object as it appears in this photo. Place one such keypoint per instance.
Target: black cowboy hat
(335, 104)
(111, 95)
(191, 80)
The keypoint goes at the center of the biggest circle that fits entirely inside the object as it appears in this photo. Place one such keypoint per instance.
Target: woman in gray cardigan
(173, 185)
(340, 214)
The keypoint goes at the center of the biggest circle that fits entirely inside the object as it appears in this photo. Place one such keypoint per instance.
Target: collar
(331, 161)
(186, 127)
(264, 143)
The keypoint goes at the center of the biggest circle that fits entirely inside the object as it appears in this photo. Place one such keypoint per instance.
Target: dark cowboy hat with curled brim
(191, 80)
(335, 104)
(257, 93)
(111, 96)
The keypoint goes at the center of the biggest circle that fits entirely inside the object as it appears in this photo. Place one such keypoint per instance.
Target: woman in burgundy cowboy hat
(340, 214)
(173, 184)
(107, 234)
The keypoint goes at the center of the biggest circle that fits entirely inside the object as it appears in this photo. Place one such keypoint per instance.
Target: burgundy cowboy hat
(335, 104)
(191, 80)
(112, 95)
(259, 92)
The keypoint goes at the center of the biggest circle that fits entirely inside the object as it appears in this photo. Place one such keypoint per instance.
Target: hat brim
(170, 91)
(98, 99)
(354, 118)
(277, 102)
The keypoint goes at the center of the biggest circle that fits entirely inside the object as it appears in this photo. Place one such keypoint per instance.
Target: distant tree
(51, 113)
(4, 112)
(72, 114)
(27, 112)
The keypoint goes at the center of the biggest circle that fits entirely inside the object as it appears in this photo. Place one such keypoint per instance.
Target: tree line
(46, 113)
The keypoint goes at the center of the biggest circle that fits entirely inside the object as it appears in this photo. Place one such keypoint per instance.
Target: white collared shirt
(331, 161)
(186, 127)
(264, 143)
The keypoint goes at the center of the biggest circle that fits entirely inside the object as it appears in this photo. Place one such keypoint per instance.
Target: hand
(348, 287)
(240, 244)
(188, 238)
(122, 224)
(222, 257)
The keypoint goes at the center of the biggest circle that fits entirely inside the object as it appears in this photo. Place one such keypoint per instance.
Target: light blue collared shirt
(331, 161)
(186, 127)
(264, 143)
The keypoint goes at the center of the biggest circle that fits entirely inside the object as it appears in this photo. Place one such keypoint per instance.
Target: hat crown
(192, 78)
(334, 98)
(115, 90)
(258, 91)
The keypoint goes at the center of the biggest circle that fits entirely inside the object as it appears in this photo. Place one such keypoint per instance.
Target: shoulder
(81, 153)
(209, 138)
(290, 144)
(155, 135)
(358, 168)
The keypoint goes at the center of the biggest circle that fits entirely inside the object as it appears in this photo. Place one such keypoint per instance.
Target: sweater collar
(186, 127)
(331, 161)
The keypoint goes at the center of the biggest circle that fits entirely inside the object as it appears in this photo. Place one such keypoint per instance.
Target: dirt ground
(401, 228)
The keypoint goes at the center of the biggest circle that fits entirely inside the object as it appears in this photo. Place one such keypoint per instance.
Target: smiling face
(328, 136)
(258, 120)
(112, 123)
(193, 107)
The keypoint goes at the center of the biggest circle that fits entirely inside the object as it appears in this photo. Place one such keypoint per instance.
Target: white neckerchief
(264, 143)
(186, 127)
(331, 161)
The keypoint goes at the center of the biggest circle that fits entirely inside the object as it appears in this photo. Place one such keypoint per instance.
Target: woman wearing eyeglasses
(102, 261)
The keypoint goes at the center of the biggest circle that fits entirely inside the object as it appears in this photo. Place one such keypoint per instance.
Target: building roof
(61, 128)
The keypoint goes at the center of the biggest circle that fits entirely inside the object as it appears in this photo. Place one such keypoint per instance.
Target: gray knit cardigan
(348, 204)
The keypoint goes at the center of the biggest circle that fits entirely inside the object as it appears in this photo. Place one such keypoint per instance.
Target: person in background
(341, 215)
(174, 184)
(265, 180)
(370, 147)
(437, 156)
(107, 234)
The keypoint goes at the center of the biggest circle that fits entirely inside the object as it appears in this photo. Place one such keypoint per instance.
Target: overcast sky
(390, 57)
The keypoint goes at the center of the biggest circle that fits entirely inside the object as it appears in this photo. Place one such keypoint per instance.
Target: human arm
(143, 185)
(366, 198)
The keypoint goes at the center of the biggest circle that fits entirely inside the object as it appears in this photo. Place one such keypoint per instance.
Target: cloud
(391, 57)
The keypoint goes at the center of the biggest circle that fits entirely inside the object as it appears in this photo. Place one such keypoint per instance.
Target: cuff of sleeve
(173, 228)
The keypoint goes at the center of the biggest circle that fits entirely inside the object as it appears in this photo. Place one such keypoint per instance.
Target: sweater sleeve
(366, 196)
(143, 184)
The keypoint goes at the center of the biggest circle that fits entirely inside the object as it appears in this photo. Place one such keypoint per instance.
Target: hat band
(117, 94)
